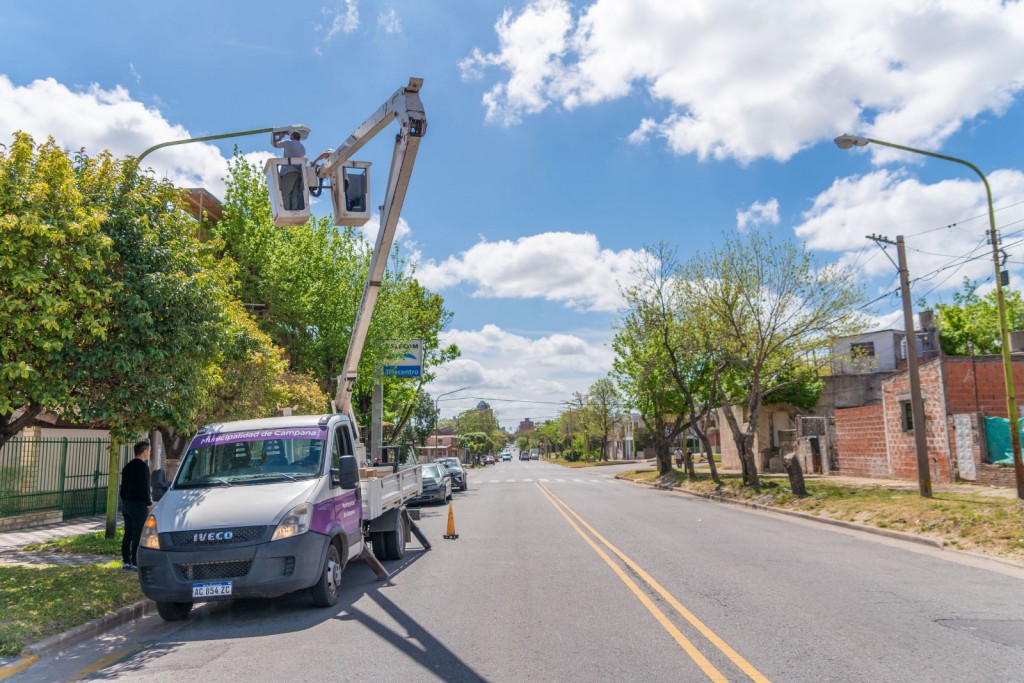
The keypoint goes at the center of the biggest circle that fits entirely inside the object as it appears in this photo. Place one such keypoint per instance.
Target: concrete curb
(51, 646)
(901, 535)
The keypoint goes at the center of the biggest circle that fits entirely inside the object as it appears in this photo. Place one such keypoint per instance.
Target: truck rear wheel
(326, 591)
(394, 541)
(378, 539)
(173, 611)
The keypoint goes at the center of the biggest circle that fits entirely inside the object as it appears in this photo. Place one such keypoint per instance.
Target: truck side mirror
(158, 483)
(346, 476)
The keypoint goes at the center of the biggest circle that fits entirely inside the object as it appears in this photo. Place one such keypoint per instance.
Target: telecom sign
(407, 360)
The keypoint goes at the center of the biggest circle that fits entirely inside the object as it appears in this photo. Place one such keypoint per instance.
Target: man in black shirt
(136, 502)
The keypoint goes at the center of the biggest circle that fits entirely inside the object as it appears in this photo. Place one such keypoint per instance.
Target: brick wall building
(878, 440)
(860, 436)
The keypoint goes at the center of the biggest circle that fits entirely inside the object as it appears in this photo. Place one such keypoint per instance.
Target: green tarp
(997, 431)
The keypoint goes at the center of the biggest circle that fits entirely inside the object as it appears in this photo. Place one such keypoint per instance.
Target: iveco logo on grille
(213, 536)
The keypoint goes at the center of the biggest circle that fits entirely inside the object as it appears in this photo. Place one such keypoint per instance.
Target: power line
(965, 220)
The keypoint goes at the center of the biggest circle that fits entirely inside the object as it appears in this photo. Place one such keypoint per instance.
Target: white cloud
(516, 369)
(341, 19)
(532, 45)
(389, 22)
(747, 80)
(372, 227)
(893, 203)
(99, 119)
(758, 213)
(565, 267)
(135, 74)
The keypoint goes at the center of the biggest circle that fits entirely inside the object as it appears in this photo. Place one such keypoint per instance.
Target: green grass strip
(38, 602)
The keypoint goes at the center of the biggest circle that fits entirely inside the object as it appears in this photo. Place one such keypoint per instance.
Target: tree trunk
(691, 473)
(174, 442)
(10, 426)
(747, 456)
(710, 454)
(796, 475)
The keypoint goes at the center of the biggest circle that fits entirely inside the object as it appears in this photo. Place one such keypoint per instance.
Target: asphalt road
(570, 575)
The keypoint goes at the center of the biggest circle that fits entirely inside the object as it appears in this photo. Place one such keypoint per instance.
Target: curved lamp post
(437, 414)
(848, 141)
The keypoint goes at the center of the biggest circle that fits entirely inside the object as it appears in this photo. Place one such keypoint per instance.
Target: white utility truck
(261, 508)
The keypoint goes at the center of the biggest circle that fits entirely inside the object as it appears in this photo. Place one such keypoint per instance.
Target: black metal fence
(56, 474)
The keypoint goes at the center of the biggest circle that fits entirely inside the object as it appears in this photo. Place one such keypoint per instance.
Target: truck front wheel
(326, 591)
(173, 611)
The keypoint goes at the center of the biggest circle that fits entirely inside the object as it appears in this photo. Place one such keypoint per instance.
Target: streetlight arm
(205, 138)
(964, 162)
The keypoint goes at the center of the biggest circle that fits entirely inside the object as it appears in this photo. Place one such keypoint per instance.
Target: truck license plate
(207, 590)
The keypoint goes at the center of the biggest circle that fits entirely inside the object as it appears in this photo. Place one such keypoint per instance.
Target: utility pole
(924, 477)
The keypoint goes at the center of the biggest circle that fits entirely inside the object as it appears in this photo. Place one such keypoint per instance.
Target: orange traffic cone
(451, 524)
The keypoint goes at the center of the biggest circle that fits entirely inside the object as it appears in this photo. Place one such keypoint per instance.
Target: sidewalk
(11, 543)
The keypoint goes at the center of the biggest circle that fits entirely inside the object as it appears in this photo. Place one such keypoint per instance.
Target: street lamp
(848, 141)
(437, 414)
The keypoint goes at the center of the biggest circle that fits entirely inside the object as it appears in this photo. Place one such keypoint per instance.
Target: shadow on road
(413, 640)
(293, 613)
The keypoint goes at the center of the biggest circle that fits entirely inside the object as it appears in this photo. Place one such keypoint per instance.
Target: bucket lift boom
(405, 108)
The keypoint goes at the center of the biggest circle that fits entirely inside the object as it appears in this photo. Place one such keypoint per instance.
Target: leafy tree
(55, 278)
(310, 279)
(251, 380)
(477, 443)
(641, 369)
(974, 320)
(421, 422)
(167, 330)
(766, 308)
(118, 310)
(691, 362)
(604, 405)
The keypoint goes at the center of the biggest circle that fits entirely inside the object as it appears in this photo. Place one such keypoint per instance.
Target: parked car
(437, 485)
(460, 478)
(489, 460)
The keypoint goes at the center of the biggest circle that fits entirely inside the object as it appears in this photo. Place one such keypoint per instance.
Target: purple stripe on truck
(260, 435)
(343, 509)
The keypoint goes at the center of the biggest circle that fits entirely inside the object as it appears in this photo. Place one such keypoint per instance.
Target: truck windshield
(250, 458)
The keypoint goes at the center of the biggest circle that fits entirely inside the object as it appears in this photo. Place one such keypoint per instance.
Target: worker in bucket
(291, 174)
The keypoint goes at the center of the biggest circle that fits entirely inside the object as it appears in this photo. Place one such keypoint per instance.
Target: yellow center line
(706, 666)
(734, 656)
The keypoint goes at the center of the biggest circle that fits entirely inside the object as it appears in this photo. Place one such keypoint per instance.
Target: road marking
(8, 670)
(112, 658)
(734, 656)
(699, 659)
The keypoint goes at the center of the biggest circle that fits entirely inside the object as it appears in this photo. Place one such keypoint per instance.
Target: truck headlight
(150, 539)
(295, 523)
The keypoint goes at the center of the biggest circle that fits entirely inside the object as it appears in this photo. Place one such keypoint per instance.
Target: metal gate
(56, 474)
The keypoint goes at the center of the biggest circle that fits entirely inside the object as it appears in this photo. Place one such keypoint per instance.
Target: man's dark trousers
(134, 517)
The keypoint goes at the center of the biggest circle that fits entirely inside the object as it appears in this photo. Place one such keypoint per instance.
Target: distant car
(460, 478)
(506, 457)
(437, 485)
(489, 460)
(524, 455)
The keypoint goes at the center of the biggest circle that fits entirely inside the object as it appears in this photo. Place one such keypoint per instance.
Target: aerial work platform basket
(281, 175)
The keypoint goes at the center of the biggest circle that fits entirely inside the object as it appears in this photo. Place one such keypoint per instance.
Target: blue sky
(564, 137)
